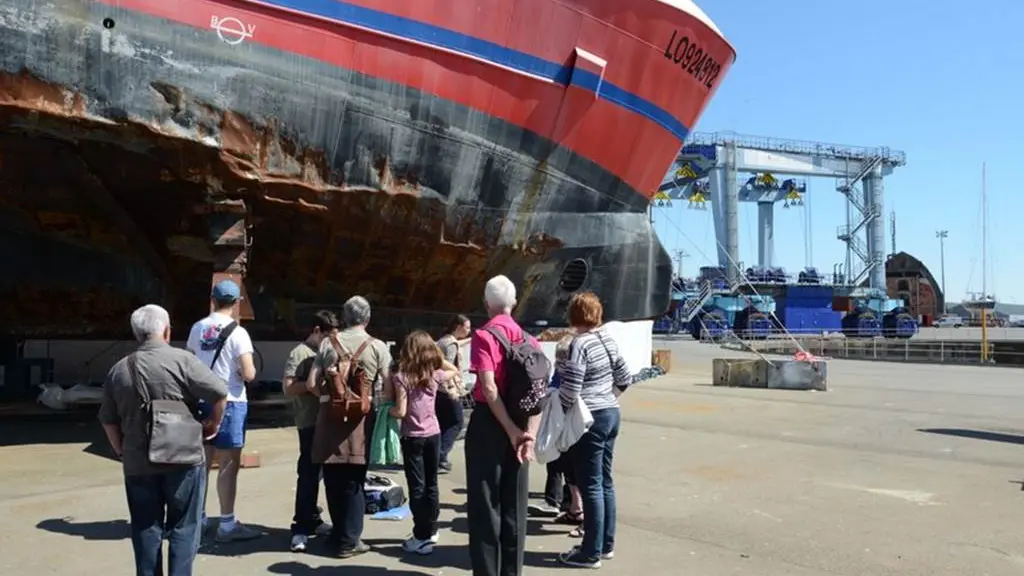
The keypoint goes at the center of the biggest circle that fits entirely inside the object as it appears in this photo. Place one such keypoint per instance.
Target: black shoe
(444, 467)
(360, 548)
(576, 558)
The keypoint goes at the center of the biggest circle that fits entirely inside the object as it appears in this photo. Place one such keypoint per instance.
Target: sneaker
(604, 555)
(299, 542)
(322, 529)
(576, 558)
(360, 548)
(444, 467)
(544, 510)
(435, 537)
(416, 546)
(239, 533)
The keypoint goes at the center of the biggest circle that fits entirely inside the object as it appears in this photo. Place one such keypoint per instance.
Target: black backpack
(527, 370)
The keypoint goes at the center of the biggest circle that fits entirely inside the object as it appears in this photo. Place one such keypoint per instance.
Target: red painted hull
(634, 41)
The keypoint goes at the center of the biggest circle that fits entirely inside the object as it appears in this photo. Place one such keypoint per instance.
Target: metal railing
(997, 352)
(858, 153)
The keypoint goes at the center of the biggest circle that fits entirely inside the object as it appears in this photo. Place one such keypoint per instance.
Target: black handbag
(175, 436)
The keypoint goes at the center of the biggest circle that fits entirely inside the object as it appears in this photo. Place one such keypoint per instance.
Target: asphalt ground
(896, 470)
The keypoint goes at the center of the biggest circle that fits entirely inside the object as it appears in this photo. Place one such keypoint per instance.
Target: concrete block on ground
(761, 373)
(662, 358)
(798, 375)
(739, 372)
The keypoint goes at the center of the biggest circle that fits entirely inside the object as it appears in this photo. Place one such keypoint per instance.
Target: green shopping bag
(386, 449)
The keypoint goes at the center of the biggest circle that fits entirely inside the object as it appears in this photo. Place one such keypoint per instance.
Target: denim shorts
(231, 433)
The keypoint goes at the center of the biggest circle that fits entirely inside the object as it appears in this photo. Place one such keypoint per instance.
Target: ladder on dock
(694, 306)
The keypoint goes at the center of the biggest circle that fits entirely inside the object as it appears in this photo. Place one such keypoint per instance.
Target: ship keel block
(777, 374)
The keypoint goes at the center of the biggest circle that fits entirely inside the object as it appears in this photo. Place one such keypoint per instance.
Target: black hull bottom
(114, 148)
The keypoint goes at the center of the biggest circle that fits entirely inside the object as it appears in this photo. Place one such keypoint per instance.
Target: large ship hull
(370, 153)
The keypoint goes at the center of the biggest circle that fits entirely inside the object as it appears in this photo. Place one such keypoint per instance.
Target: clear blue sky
(940, 80)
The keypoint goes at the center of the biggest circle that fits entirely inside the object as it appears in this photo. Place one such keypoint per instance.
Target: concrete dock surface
(897, 469)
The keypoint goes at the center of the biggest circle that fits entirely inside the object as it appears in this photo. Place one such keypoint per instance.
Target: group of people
(337, 378)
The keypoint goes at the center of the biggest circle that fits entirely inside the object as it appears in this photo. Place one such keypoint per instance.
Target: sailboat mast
(984, 236)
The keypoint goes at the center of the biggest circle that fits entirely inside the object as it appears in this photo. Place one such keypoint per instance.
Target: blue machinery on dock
(707, 171)
(708, 310)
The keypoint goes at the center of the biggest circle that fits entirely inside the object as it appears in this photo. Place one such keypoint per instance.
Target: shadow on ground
(25, 431)
(976, 434)
(104, 530)
(82, 428)
(448, 556)
(300, 569)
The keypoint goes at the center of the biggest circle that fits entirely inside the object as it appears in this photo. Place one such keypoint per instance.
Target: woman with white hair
(497, 448)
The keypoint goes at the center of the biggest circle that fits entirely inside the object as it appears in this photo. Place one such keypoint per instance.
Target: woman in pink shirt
(421, 369)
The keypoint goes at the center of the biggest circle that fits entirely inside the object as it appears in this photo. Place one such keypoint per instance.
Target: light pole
(942, 235)
(680, 254)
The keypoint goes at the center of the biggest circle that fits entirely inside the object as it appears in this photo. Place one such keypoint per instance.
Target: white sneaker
(415, 546)
(435, 537)
(299, 542)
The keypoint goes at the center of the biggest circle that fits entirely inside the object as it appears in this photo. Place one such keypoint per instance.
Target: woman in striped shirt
(595, 374)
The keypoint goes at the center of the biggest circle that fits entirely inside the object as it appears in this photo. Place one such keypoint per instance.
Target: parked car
(948, 321)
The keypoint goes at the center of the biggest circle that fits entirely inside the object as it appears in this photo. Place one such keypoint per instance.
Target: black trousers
(421, 457)
(497, 490)
(343, 486)
(556, 487)
(307, 487)
(451, 417)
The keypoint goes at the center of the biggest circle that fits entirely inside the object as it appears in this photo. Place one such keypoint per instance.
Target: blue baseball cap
(226, 290)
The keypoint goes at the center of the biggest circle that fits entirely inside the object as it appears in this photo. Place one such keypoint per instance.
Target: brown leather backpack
(350, 387)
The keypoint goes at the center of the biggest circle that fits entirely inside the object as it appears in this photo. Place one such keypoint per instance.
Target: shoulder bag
(174, 435)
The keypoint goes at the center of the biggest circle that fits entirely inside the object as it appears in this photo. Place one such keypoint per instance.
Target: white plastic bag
(52, 397)
(577, 421)
(82, 394)
(546, 448)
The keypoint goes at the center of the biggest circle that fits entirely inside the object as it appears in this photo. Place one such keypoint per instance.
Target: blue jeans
(592, 458)
(168, 503)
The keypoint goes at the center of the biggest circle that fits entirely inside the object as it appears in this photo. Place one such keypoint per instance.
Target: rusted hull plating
(114, 147)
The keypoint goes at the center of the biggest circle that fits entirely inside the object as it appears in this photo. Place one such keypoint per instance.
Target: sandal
(569, 518)
(576, 532)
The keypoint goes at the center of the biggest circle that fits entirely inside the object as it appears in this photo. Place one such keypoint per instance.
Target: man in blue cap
(220, 343)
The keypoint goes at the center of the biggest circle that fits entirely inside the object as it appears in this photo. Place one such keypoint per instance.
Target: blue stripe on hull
(485, 50)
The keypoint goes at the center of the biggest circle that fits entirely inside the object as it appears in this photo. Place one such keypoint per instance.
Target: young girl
(421, 369)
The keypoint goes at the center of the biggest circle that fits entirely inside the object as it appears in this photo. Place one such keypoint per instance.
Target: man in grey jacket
(162, 499)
